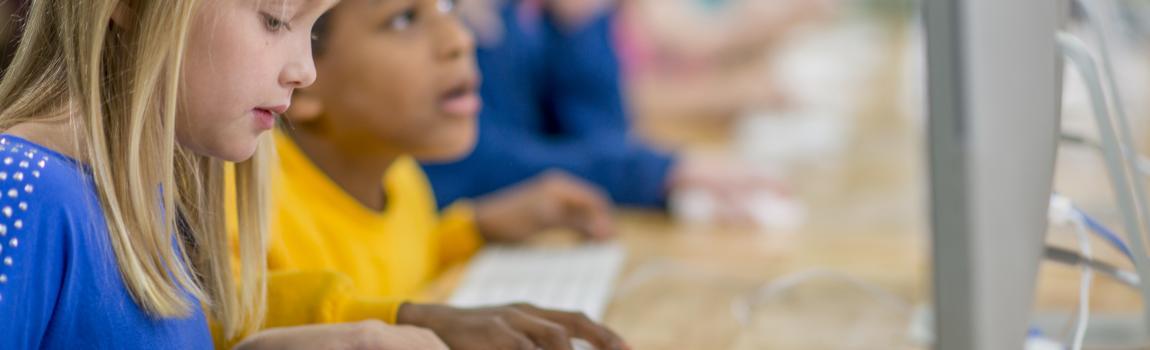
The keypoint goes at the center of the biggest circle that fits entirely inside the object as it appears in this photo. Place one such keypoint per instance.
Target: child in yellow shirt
(355, 230)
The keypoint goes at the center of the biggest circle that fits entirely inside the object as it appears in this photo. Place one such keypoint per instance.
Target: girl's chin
(233, 153)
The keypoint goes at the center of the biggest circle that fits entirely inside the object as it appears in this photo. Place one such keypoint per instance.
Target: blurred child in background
(712, 58)
(554, 100)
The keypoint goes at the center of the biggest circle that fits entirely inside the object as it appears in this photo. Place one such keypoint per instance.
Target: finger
(373, 335)
(737, 215)
(508, 338)
(430, 341)
(545, 334)
(413, 338)
(580, 327)
(595, 223)
(578, 205)
(735, 210)
(586, 208)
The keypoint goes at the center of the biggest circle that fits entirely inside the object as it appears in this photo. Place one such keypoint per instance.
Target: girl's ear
(306, 107)
(122, 15)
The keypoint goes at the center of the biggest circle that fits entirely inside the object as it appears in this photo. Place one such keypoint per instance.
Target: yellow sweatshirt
(333, 260)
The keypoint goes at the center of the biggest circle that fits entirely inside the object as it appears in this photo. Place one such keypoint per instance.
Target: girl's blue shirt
(60, 283)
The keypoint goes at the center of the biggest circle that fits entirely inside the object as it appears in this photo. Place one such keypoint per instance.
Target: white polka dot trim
(21, 167)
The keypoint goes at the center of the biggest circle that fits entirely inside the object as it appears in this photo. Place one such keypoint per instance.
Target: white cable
(1078, 54)
(1094, 12)
(1084, 288)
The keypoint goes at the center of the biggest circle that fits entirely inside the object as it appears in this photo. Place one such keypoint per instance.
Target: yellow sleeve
(306, 297)
(310, 297)
(459, 236)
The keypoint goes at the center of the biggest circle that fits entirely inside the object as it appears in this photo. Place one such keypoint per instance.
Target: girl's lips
(265, 119)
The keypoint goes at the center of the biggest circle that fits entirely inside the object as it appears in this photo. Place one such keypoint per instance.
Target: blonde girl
(118, 117)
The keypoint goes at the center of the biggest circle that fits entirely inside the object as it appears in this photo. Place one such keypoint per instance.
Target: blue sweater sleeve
(631, 173)
(583, 121)
(588, 100)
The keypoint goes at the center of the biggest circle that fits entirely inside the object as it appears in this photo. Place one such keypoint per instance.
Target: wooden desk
(680, 282)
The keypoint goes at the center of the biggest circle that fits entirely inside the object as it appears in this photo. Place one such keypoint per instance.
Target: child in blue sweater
(553, 99)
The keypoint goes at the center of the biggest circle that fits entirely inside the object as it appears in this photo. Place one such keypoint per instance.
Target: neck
(53, 133)
(358, 172)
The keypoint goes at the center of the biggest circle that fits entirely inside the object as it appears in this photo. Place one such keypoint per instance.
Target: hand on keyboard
(518, 326)
(553, 200)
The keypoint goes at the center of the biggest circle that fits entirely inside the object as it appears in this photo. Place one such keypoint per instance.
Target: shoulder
(42, 189)
(47, 211)
(33, 174)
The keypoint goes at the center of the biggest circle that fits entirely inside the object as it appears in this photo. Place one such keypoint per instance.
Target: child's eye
(446, 6)
(274, 24)
(402, 21)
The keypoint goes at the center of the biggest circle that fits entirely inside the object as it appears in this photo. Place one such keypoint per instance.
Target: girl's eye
(402, 21)
(274, 24)
(446, 6)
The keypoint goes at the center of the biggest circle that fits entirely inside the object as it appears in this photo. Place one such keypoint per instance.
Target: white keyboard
(571, 279)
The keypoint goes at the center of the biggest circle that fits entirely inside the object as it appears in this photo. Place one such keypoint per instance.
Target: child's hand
(732, 194)
(517, 326)
(551, 200)
(367, 335)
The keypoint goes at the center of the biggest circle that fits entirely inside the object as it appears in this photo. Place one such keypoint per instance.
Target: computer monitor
(994, 87)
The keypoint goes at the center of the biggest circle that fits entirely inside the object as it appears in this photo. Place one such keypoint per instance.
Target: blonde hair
(117, 86)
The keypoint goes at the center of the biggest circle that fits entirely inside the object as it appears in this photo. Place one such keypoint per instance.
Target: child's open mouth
(461, 101)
